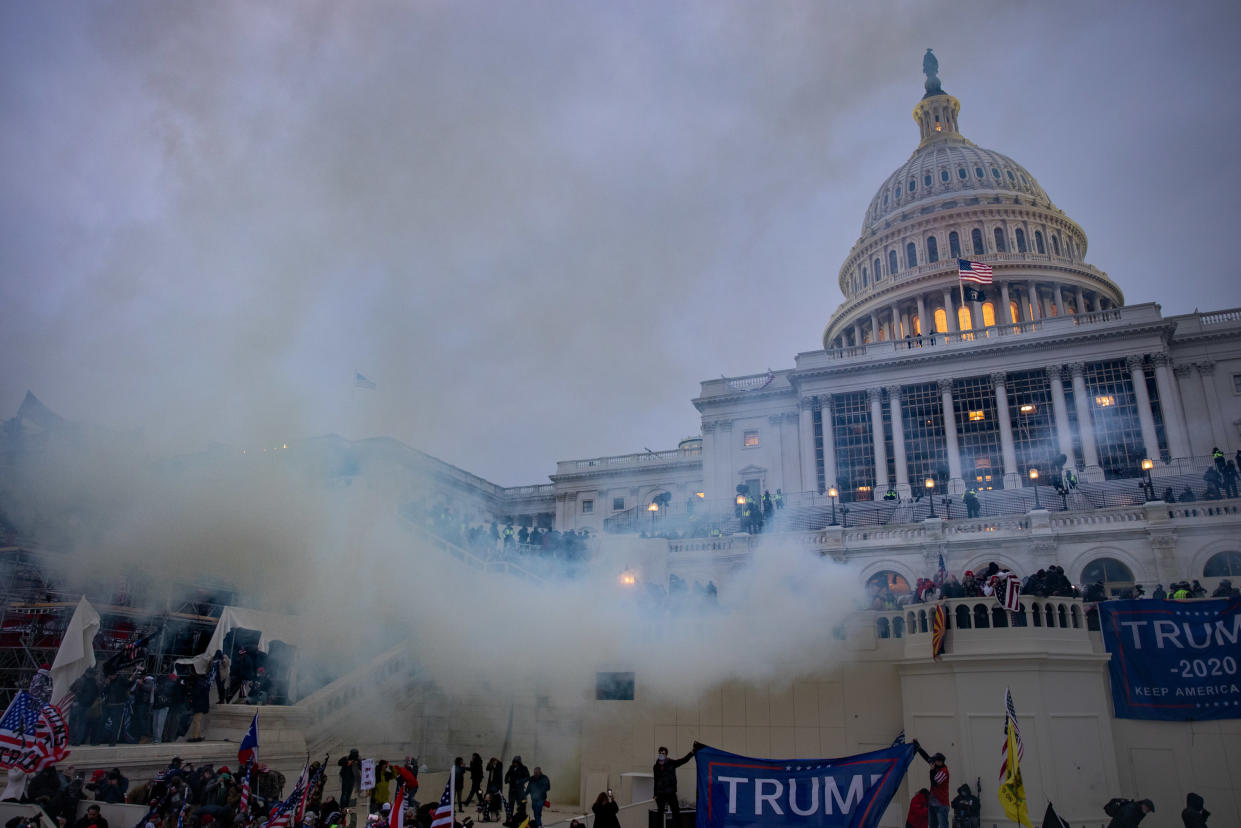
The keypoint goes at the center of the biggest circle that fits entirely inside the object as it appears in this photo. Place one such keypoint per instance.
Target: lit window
(588, 506)
(750, 440)
(1028, 408)
(863, 488)
(1104, 400)
(618, 503)
(700, 494)
(976, 416)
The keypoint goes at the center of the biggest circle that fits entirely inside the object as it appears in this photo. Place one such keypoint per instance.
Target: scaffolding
(35, 612)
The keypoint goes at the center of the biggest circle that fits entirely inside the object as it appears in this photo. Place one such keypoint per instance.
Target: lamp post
(930, 493)
(833, 494)
(653, 509)
(1034, 477)
(1147, 465)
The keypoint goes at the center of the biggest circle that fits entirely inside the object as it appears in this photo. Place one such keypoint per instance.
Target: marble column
(809, 472)
(777, 456)
(1170, 404)
(1060, 409)
(1005, 317)
(922, 325)
(1085, 426)
(1059, 294)
(829, 441)
(857, 334)
(725, 450)
(709, 461)
(880, 447)
(1036, 310)
(1150, 437)
(1196, 421)
(1079, 301)
(950, 313)
(896, 322)
(898, 442)
(955, 484)
(874, 327)
(1219, 431)
(1008, 451)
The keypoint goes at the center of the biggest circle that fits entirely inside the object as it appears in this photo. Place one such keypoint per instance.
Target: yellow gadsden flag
(1012, 790)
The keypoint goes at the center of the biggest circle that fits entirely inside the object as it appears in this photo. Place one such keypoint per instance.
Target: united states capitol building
(916, 397)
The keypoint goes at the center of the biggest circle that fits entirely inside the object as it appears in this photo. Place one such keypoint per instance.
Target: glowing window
(1012, 311)
(1105, 400)
(977, 416)
(750, 440)
(941, 321)
(1027, 408)
(988, 315)
(963, 319)
(863, 488)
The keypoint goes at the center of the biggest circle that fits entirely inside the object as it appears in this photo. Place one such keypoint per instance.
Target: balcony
(691, 454)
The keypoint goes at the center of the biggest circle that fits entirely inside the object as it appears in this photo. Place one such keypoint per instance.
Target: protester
(537, 787)
(1128, 813)
(665, 778)
(1194, 814)
(605, 810)
(476, 778)
(919, 810)
(938, 802)
(350, 775)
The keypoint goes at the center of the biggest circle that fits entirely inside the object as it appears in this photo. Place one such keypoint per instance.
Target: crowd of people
(123, 703)
(493, 540)
(1221, 478)
(985, 583)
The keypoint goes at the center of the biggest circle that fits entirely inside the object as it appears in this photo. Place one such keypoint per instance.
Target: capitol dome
(955, 200)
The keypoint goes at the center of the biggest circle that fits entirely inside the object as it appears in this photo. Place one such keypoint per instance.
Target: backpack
(1113, 806)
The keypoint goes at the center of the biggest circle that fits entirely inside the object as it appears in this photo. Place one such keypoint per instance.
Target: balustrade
(982, 614)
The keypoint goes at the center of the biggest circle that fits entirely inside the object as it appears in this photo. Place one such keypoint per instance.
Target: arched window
(891, 262)
(978, 172)
(1011, 177)
(865, 279)
(941, 321)
(1114, 575)
(896, 193)
(1000, 244)
(962, 173)
(917, 323)
(913, 185)
(1055, 245)
(1012, 312)
(976, 238)
(888, 580)
(932, 249)
(1021, 240)
(995, 173)
(963, 319)
(876, 270)
(926, 180)
(954, 245)
(988, 315)
(1038, 242)
(911, 254)
(963, 617)
(943, 176)
(1223, 565)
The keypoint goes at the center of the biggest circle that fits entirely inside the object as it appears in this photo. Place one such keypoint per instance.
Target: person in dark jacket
(85, 690)
(1194, 815)
(350, 775)
(938, 802)
(476, 778)
(665, 773)
(605, 810)
(966, 809)
(516, 779)
(458, 780)
(200, 705)
(537, 787)
(1131, 813)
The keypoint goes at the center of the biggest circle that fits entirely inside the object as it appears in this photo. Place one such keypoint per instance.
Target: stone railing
(983, 614)
(648, 457)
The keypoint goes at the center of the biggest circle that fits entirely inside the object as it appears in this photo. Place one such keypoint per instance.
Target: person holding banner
(665, 773)
(939, 800)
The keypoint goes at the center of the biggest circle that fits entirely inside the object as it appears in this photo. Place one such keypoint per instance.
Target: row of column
(1174, 423)
(899, 315)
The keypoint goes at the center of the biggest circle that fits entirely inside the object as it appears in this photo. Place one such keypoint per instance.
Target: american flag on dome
(974, 272)
(442, 818)
(32, 736)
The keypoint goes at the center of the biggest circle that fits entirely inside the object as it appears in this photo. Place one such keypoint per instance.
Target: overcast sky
(538, 225)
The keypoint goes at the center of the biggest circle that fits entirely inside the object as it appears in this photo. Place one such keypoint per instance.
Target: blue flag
(248, 751)
(849, 792)
(1174, 661)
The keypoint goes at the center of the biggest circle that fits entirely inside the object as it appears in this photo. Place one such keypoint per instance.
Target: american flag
(243, 804)
(1010, 721)
(974, 272)
(1011, 599)
(32, 736)
(282, 815)
(442, 818)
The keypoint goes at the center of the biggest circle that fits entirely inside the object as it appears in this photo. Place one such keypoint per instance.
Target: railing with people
(982, 614)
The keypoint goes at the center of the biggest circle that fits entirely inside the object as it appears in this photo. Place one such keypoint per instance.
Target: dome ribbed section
(948, 168)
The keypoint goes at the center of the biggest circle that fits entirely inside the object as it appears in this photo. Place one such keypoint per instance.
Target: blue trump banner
(1174, 660)
(851, 792)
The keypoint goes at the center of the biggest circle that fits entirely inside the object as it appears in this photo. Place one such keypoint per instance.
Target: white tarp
(272, 627)
(77, 649)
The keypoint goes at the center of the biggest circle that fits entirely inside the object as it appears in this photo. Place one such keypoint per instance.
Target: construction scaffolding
(35, 611)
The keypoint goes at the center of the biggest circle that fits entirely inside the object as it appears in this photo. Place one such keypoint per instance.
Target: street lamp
(1034, 477)
(1147, 465)
(833, 494)
(930, 493)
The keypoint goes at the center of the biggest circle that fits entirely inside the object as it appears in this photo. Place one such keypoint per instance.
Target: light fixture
(654, 507)
(740, 500)
(1034, 474)
(702, 495)
(1148, 464)
(1104, 400)
(975, 416)
(1027, 408)
(833, 492)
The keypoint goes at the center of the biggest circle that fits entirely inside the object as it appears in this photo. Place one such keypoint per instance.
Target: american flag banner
(243, 804)
(1010, 723)
(442, 818)
(32, 736)
(976, 272)
(396, 818)
(282, 815)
